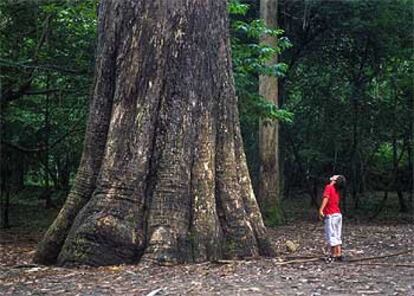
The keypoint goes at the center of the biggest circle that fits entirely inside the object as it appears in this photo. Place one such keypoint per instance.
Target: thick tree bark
(167, 180)
(269, 174)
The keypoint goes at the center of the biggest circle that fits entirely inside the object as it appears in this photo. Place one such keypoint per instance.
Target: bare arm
(323, 205)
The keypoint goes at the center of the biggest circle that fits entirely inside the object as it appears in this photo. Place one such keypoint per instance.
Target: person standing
(330, 212)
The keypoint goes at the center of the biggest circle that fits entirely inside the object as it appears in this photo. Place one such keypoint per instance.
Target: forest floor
(292, 272)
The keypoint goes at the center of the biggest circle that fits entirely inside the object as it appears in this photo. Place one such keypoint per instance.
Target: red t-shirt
(332, 206)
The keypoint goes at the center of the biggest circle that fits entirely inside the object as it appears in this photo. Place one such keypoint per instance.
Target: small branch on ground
(25, 266)
(155, 292)
(227, 261)
(380, 257)
(389, 264)
(298, 261)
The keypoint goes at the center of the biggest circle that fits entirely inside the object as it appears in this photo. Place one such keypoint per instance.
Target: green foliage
(236, 7)
(274, 216)
(252, 58)
(255, 106)
(384, 157)
(47, 61)
(348, 86)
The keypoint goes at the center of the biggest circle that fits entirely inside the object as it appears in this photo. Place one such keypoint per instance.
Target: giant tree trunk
(163, 174)
(269, 175)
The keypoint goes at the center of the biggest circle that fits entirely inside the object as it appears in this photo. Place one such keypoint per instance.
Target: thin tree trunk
(63, 171)
(310, 186)
(47, 195)
(6, 220)
(362, 172)
(397, 185)
(401, 201)
(411, 154)
(411, 174)
(354, 165)
(269, 173)
(393, 179)
(380, 206)
(173, 184)
(5, 198)
(17, 170)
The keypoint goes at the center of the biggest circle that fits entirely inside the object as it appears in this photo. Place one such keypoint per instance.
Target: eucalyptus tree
(269, 172)
(163, 173)
(256, 69)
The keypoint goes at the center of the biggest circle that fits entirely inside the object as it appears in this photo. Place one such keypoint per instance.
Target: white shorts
(333, 229)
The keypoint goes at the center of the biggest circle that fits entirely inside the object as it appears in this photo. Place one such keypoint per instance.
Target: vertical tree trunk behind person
(269, 175)
(163, 174)
(355, 143)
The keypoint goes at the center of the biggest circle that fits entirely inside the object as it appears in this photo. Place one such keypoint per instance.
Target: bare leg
(338, 250)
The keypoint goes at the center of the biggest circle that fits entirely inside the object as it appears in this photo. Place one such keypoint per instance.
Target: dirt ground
(264, 276)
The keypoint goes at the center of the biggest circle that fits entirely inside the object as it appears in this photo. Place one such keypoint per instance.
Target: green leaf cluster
(252, 58)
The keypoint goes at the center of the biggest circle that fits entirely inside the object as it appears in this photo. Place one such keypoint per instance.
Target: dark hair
(340, 182)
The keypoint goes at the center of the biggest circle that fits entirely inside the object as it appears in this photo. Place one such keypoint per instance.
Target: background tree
(269, 172)
(253, 58)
